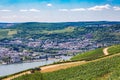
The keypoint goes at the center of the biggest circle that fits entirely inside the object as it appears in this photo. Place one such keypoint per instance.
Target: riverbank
(15, 68)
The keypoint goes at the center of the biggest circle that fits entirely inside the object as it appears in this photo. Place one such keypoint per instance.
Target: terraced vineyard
(90, 55)
(107, 68)
(36, 76)
(99, 70)
(114, 49)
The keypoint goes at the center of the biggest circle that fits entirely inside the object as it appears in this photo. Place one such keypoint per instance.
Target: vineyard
(90, 55)
(36, 76)
(105, 69)
(114, 49)
(90, 71)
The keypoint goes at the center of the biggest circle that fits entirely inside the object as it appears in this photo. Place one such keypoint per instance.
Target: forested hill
(41, 24)
(100, 31)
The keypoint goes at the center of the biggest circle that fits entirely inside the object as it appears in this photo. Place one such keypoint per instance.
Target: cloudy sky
(59, 10)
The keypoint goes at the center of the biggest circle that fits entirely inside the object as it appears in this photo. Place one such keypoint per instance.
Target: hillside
(90, 55)
(93, 30)
(100, 69)
(98, 53)
(114, 49)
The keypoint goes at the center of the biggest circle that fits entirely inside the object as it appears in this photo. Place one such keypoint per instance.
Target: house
(15, 59)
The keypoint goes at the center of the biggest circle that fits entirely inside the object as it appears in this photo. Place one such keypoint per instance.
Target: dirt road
(17, 75)
(105, 51)
(56, 67)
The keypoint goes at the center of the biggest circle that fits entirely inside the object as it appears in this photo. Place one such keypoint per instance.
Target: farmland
(7, 33)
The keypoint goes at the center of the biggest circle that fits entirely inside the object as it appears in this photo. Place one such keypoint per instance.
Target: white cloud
(116, 8)
(34, 10)
(5, 10)
(11, 16)
(29, 10)
(49, 5)
(78, 9)
(64, 10)
(23, 10)
(99, 8)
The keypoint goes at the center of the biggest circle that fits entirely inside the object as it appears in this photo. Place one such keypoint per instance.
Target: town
(34, 49)
(28, 42)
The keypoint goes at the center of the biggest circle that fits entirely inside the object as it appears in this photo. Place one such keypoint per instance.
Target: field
(12, 32)
(6, 33)
(68, 29)
(90, 55)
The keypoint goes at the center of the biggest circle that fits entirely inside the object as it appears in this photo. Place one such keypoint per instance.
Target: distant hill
(85, 23)
(100, 31)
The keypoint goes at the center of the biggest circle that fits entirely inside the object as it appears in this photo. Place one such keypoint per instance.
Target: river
(14, 68)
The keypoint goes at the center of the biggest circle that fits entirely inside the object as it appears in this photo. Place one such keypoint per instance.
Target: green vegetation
(107, 68)
(35, 76)
(116, 74)
(12, 32)
(90, 55)
(7, 33)
(92, 71)
(3, 33)
(63, 30)
(68, 29)
(114, 49)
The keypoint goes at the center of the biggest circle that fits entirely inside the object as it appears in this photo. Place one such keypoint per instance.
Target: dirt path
(105, 51)
(17, 75)
(56, 67)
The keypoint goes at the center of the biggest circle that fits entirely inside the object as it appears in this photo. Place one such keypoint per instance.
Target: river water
(14, 68)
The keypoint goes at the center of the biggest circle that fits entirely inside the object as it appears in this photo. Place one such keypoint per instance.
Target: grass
(114, 49)
(90, 55)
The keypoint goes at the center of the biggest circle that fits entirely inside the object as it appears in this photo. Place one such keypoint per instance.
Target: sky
(59, 10)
